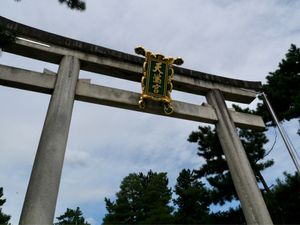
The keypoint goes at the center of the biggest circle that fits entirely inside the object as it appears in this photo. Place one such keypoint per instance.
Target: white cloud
(77, 158)
(91, 220)
(240, 39)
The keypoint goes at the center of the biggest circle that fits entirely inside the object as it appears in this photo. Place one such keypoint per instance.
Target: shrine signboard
(157, 79)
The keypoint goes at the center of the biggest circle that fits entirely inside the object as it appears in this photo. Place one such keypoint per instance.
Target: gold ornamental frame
(153, 87)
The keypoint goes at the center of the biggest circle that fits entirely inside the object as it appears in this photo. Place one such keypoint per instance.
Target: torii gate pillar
(252, 202)
(40, 200)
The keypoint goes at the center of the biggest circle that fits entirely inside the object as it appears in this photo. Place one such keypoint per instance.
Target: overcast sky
(238, 39)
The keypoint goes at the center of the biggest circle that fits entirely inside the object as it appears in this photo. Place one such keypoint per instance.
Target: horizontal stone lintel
(86, 92)
(51, 48)
(27, 79)
(127, 70)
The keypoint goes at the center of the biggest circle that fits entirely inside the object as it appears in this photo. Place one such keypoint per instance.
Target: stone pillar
(40, 200)
(252, 202)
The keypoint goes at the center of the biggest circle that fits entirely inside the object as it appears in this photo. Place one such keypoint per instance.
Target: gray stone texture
(252, 202)
(41, 196)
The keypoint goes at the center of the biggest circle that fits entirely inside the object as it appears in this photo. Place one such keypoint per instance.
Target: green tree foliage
(283, 88)
(71, 216)
(230, 216)
(72, 4)
(6, 38)
(215, 170)
(3, 217)
(142, 199)
(192, 199)
(284, 200)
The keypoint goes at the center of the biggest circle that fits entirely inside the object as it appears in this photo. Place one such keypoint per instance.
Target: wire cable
(273, 145)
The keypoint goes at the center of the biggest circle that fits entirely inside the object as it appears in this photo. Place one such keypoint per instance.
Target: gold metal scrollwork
(157, 79)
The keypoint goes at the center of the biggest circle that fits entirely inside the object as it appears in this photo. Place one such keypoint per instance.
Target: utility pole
(283, 134)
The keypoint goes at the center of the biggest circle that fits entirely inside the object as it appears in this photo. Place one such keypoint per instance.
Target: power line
(273, 145)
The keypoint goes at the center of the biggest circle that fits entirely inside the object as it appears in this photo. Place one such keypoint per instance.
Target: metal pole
(282, 133)
(252, 202)
(40, 200)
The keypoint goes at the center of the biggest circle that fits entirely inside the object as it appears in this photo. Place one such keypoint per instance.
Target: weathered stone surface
(44, 83)
(26, 79)
(128, 100)
(40, 200)
(125, 70)
(36, 34)
(252, 202)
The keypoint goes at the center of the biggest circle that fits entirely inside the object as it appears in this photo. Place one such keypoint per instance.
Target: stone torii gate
(65, 87)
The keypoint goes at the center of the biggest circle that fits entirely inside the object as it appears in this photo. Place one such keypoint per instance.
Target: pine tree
(156, 199)
(127, 208)
(284, 200)
(230, 216)
(142, 199)
(71, 216)
(192, 199)
(72, 4)
(6, 38)
(215, 170)
(283, 88)
(3, 217)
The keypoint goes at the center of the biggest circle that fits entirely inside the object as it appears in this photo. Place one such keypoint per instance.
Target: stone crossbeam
(26, 79)
(125, 70)
(41, 45)
(86, 92)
